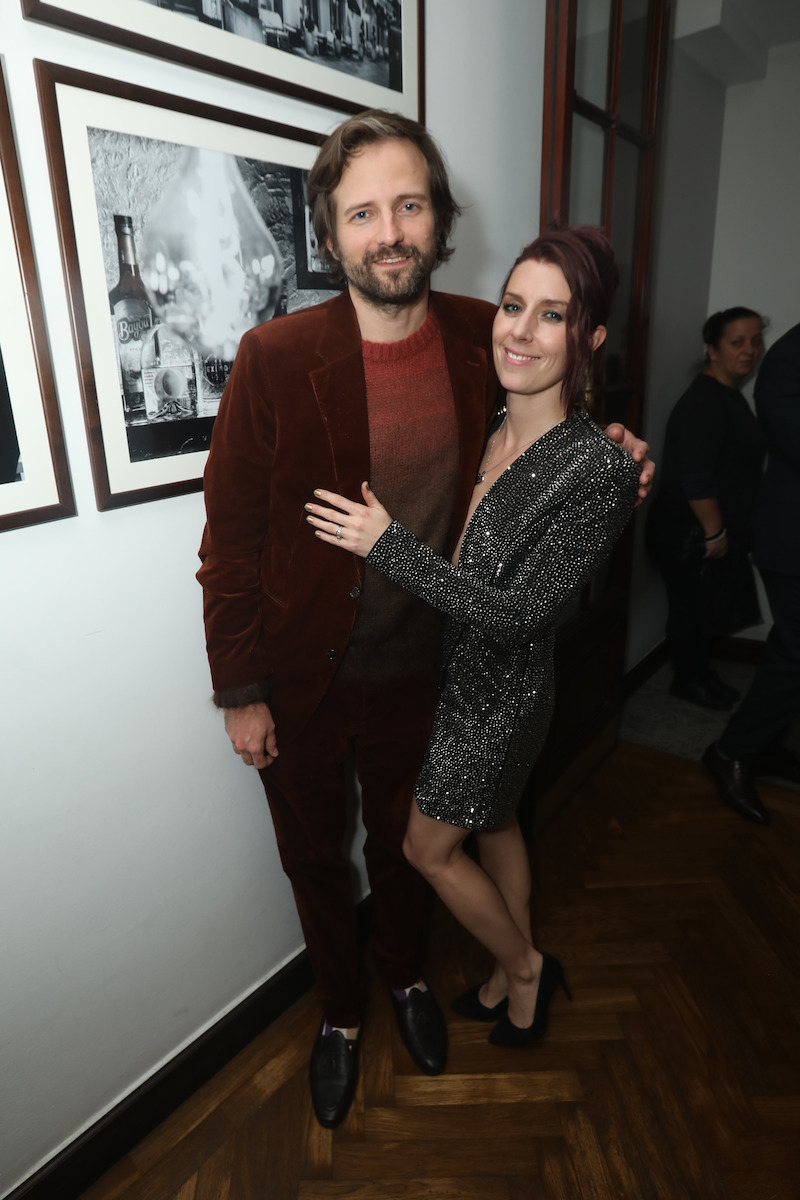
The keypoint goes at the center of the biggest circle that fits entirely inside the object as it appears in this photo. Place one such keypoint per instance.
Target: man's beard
(390, 289)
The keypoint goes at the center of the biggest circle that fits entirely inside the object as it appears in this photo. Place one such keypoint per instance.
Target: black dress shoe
(700, 693)
(778, 763)
(423, 1030)
(735, 785)
(468, 1005)
(506, 1033)
(333, 1074)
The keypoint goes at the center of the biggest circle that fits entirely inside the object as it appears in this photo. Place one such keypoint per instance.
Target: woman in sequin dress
(551, 497)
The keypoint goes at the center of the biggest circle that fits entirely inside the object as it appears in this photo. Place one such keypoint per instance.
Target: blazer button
(330, 654)
(355, 592)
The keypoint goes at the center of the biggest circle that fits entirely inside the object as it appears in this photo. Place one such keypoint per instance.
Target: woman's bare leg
(436, 849)
(504, 858)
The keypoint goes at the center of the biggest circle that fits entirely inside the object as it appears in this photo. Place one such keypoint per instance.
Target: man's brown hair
(375, 125)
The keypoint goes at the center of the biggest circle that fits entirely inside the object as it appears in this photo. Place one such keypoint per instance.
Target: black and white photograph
(198, 246)
(182, 230)
(345, 54)
(10, 461)
(34, 477)
(360, 37)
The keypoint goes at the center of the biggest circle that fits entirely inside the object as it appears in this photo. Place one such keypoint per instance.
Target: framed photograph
(346, 54)
(34, 477)
(182, 226)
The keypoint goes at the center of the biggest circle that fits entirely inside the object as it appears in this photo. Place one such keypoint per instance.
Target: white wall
(139, 882)
(683, 244)
(756, 245)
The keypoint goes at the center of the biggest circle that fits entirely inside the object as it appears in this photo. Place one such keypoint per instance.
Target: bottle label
(169, 375)
(132, 328)
(132, 319)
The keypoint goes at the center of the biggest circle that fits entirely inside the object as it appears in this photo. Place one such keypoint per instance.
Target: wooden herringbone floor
(674, 1074)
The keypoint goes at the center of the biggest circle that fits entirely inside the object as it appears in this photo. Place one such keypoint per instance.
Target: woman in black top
(700, 524)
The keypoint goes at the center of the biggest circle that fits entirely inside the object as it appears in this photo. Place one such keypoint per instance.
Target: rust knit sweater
(413, 469)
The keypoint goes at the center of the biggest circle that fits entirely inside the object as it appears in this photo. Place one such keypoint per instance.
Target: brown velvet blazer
(279, 605)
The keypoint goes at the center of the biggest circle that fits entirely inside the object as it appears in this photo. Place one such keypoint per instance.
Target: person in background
(752, 744)
(550, 500)
(704, 509)
(313, 657)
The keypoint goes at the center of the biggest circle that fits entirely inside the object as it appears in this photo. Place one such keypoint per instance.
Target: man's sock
(403, 993)
(350, 1035)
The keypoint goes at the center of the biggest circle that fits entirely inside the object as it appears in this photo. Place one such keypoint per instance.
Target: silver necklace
(482, 474)
(479, 478)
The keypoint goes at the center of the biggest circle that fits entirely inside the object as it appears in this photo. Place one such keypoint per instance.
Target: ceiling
(732, 38)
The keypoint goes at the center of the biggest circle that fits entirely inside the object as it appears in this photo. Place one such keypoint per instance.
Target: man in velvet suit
(311, 656)
(752, 742)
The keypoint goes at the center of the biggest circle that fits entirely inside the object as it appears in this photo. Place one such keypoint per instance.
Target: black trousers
(387, 726)
(687, 643)
(773, 699)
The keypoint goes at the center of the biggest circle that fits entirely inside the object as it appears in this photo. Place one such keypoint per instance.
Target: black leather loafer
(735, 788)
(423, 1030)
(333, 1075)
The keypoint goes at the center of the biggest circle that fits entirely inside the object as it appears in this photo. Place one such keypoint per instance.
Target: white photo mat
(173, 35)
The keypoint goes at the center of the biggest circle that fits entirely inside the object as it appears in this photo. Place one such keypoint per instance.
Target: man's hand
(252, 733)
(638, 452)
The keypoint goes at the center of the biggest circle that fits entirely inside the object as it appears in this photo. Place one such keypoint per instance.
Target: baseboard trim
(80, 1164)
(730, 649)
(632, 680)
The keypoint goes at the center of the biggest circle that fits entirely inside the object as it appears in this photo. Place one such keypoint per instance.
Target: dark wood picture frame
(317, 79)
(125, 469)
(30, 422)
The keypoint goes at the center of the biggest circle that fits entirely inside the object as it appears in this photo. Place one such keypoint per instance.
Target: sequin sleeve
(533, 579)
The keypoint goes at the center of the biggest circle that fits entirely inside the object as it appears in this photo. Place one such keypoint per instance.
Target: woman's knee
(414, 850)
(429, 845)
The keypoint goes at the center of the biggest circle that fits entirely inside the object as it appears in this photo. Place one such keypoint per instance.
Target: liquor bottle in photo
(133, 316)
(170, 371)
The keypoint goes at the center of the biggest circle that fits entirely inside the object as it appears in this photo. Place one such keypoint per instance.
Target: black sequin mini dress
(534, 540)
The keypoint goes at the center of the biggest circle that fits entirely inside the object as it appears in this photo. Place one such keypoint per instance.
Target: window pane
(591, 50)
(586, 179)
(633, 63)
(623, 237)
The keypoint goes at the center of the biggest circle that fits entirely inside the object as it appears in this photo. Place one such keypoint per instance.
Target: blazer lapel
(341, 394)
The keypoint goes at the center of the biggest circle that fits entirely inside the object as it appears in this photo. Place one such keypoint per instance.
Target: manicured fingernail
(316, 491)
(307, 507)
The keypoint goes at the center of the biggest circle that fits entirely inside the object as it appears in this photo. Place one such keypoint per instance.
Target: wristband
(716, 537)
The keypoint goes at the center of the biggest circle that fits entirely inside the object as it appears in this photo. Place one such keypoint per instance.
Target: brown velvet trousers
(386, 727)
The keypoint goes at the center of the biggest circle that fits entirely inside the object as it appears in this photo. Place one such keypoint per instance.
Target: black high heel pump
(506, 1033)
(468, 1005)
